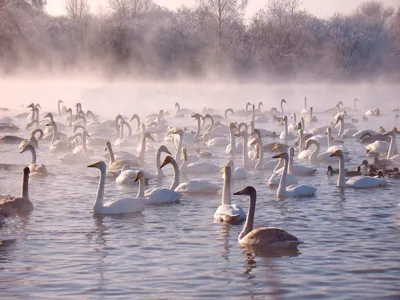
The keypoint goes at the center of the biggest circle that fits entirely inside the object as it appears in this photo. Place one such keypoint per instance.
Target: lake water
(61, 251)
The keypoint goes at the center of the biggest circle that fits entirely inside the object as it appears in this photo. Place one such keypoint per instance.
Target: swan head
(164, 149)
(108, 145)
(337, 153)
(26, 171)
(283, 101)
(284, 118)
(60, 101)
(139, 175)
(32, 105)
(260, 103)
(179, 131)
(148, 135)
(26, 148)
(248, 190)
(197, 116)
(48, 115)
(328, 130)
(226, 170)
(356, 100)
(207, 116)
(98, 165)
(51, 123)
(283, 155)
(135, 116)
(168, 160)
(310, 142)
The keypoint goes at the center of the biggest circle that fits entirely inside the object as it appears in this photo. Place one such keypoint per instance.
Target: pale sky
(323, 8)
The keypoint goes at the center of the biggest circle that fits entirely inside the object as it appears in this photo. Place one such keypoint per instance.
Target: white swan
(358, 181)
(265, 237)
(228, 212)
(35, 169)
(316, 156)
(232, 147)
(293, 190)
(196, 167)
(275, 177)
(297, 170)
(238, 172)
(190, 187)
(286, 135)
(304, 110)
(118, 206)
(129, 175)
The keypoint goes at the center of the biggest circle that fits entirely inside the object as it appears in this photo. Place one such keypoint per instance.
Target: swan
(32, 140)
(311, 118)
(297, 170)
(238, 172)
(160, 195)
(293, 126)
(35, 169)
(275, 177)
(56, 144)
(245, 153)
(228, 212)
(196, 167)
(261, 164)
(286, 135)
(304, 110)
(264, 236)
(118, 206)
(22, 205)
(348, 132)
(391, 153)
(358, 181)
(115, 164)
(190, 187)
(292, 190)
(128, 175)
(232, 148)
(316, 156)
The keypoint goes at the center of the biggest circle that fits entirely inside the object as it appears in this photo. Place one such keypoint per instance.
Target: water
(350, 250)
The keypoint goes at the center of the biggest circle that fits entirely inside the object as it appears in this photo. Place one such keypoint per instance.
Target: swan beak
(254, 142)
(94, 165)
(167, 151)
(239, 193)
(333, 154)
(277, 156)
(164, 164)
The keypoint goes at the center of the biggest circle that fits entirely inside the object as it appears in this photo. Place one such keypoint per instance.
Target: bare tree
(223, 12)
(132, 8)
(77, 10)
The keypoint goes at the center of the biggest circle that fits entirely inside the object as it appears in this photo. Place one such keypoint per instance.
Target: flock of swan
(75, 138)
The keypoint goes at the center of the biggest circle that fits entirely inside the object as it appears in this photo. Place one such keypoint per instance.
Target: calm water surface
(351, 238)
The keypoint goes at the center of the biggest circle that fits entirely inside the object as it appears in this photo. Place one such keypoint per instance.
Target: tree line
(140, 38)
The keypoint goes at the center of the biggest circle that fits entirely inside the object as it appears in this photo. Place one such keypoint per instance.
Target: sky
(321, 8)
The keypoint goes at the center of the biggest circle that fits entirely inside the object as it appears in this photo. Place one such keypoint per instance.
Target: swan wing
(197, 186)
(161, 195)
(270, 237)
(123, 205)
(365, 182)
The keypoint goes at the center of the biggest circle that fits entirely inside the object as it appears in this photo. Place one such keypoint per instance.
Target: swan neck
(245, 151)
(34, 157)
(140, 193)
(226, 192)
(341, 127)
(160, 172)
(301, 142)
(248, 226)
(54, 138)
(391, 147)
(111, 152)
(283, 181)
(177, 172)
(98, 203)
(143, 148)
(342, 170)
(25, 186)
(179, 150)
(329, 135)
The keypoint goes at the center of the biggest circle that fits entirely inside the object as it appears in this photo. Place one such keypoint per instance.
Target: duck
(264, 237)
(228, 212)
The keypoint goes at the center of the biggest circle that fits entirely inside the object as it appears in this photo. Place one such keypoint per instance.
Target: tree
(132, 8)
(77, 10)
(221, 13)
